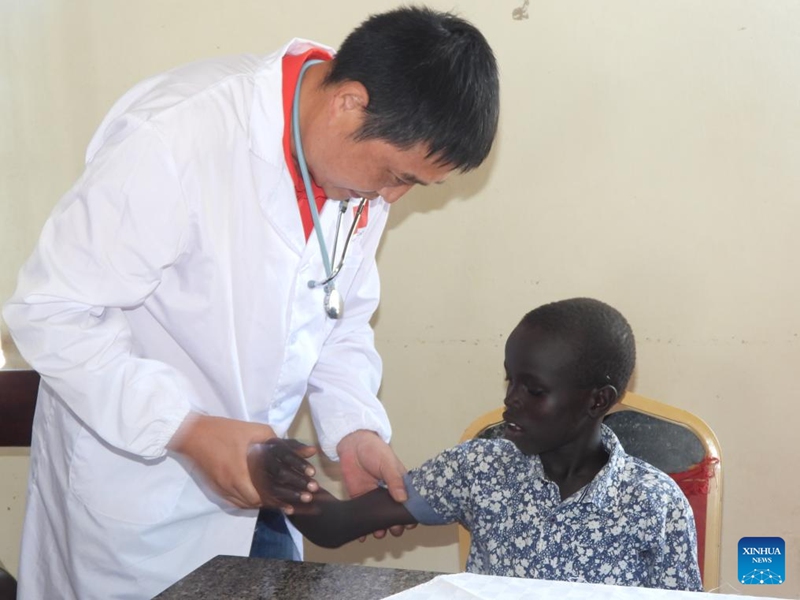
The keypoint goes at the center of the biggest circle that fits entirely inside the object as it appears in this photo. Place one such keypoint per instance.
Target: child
(558, 498)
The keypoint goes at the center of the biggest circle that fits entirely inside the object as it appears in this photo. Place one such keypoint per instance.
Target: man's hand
(282, 476)
(219, 447)
(365, 459)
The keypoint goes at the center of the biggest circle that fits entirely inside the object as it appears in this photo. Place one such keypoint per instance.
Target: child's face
(545, 408)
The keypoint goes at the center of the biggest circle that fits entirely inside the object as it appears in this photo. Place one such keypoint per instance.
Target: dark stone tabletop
(263, 579)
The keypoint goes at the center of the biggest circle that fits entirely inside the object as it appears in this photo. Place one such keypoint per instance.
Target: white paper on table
(469, 586)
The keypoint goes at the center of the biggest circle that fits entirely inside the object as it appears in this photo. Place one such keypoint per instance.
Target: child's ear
(603, 399)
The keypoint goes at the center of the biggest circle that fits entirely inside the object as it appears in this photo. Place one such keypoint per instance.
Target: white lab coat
(173, 277)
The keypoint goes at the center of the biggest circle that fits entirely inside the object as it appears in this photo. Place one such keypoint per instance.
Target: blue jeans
(271, 538)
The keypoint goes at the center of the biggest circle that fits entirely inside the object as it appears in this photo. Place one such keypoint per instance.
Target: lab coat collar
(272, 178)
(266, 118)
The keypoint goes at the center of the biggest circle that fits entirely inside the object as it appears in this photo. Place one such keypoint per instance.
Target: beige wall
(649, 156)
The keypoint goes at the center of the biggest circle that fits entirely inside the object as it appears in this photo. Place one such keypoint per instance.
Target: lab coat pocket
(122, 486)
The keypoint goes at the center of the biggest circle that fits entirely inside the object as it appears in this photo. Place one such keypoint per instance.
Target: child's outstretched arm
(336, 522)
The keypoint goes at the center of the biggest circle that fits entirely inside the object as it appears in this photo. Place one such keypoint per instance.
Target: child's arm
(336, 522)
(676, 566)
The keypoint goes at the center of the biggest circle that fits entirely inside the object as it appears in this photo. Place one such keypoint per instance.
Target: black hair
(431, 78)
(602, 337)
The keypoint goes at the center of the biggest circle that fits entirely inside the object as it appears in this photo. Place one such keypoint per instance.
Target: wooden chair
(673, 440)
(18, 390)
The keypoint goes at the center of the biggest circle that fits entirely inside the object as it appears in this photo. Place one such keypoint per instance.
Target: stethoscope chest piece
(334, 307)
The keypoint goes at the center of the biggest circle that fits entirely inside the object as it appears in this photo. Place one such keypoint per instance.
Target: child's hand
(281, 475)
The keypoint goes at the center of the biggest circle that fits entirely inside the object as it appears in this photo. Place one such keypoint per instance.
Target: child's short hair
(603, 339)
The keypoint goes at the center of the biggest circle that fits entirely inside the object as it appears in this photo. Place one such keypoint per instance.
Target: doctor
(168, 307)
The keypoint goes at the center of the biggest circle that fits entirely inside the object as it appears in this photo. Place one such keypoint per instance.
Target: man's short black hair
(431, 78)
(602, 337)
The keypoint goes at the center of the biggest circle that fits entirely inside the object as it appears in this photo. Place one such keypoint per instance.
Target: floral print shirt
(631, 525)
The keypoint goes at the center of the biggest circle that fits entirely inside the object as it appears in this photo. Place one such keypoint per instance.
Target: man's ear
(350, 99)
(603, 398)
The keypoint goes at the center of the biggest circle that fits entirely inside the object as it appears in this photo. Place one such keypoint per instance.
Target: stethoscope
(333, 302)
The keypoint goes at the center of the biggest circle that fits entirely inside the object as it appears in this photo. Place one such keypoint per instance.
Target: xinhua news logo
(762, 560)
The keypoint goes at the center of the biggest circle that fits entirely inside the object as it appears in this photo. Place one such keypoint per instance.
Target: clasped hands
(280, 472)
(250, 467)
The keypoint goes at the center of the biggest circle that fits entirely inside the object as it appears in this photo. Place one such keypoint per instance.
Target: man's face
(545, 409)
(346, 168)
(371, 168)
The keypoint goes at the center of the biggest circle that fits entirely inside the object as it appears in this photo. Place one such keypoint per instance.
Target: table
(468, 586)
(246, 578)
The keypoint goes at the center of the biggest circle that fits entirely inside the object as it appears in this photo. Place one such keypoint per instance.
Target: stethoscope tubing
(330, 274)
(301, 161)
(362, 203)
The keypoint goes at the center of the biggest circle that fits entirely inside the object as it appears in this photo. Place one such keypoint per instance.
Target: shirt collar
(603, 490)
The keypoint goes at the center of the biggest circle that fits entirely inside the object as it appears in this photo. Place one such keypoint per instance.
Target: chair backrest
(673, 440)
(18, 390)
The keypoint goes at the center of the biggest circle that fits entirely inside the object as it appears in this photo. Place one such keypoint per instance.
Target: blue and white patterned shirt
(631, 525)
